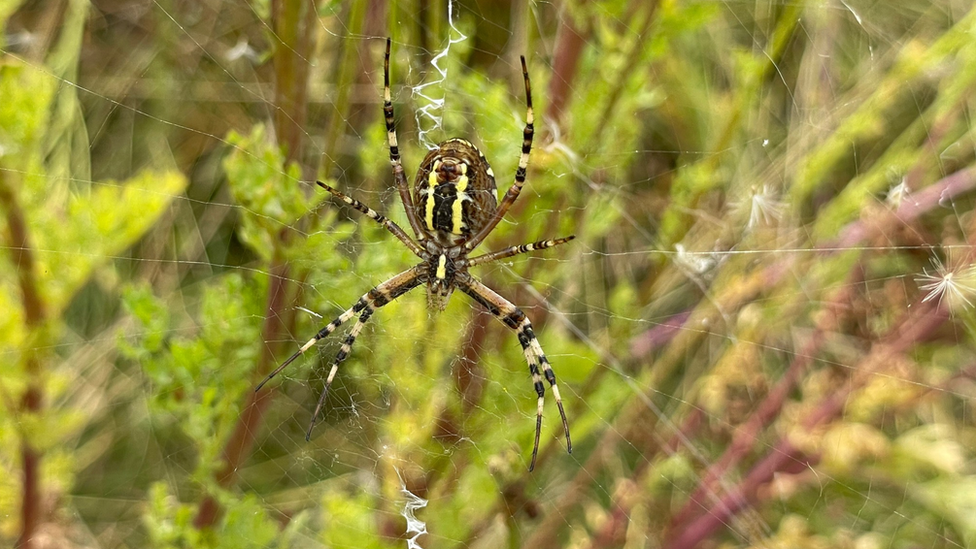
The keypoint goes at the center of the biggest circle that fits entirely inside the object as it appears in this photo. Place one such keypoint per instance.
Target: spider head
(440, 281)
(449, 170)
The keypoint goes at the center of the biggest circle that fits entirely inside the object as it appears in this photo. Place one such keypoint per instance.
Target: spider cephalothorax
(453, 209)
(442, 273)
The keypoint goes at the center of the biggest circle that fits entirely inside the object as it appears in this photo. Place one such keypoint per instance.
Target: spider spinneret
(453, 209)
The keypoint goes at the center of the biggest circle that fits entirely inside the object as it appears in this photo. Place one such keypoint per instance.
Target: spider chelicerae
(453, 209)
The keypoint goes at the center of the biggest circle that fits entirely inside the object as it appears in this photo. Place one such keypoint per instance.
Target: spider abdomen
(454, 192)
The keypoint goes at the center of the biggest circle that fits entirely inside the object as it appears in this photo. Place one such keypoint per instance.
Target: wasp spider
(454, 207)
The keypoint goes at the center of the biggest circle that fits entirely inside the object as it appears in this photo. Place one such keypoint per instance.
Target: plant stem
(917, 325)
(242, 439)
(293, 23)
(634, 419)
(565, 62)
(31, 403)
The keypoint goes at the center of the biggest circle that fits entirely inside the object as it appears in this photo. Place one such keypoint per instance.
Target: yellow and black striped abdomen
(455, 192)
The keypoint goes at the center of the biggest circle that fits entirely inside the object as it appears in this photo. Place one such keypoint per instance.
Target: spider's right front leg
(513, 192)
(367, 304)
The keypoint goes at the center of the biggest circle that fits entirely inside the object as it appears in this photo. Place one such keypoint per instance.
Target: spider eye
(451, 168)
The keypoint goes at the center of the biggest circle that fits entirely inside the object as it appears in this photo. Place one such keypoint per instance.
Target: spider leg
(403, 187)
(516, 250)
(340, 356)
(369, 302)
(372, 214)
(514, 318)
(324, 332)
(516, 188)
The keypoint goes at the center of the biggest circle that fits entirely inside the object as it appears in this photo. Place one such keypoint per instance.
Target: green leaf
(271, 194)
(955, 500)
(934, 447)
(95, 228)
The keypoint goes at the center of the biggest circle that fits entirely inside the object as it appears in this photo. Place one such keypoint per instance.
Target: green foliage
(197, 381)
(272, 200)
(951, 498)
(244, 525)
(348, 519)
(60, 235)
(770, 298)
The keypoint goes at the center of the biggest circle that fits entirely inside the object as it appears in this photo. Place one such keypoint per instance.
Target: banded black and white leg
(513, 192)
(399, 176)
(370, 301)
(514, 318)
(516, 250)
(377, 217)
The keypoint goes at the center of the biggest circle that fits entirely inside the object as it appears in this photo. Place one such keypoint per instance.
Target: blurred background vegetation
(763, 331)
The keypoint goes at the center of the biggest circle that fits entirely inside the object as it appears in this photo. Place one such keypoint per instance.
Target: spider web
(762, 332)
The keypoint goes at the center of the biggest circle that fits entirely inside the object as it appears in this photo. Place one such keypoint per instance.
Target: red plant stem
(718, 516)
(657, 337)
(913, 206)
(238, 447)
(242, 439)
(746, 434)
(565, 62)
(946, 189)
(32, 401)
(918, 203)
(917, 326)
(293, 23)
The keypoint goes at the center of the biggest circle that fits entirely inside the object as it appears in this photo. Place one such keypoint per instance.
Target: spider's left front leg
(514, 318)
(403, 186)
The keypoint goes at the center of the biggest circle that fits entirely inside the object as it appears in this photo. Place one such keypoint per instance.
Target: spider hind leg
(379, 296)
(514, 318)
(340, 356)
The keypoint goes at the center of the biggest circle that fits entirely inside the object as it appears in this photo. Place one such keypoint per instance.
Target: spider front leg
(403, 187)
(514, 318)
(516, 250)
(513, 192)
(367, 304)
